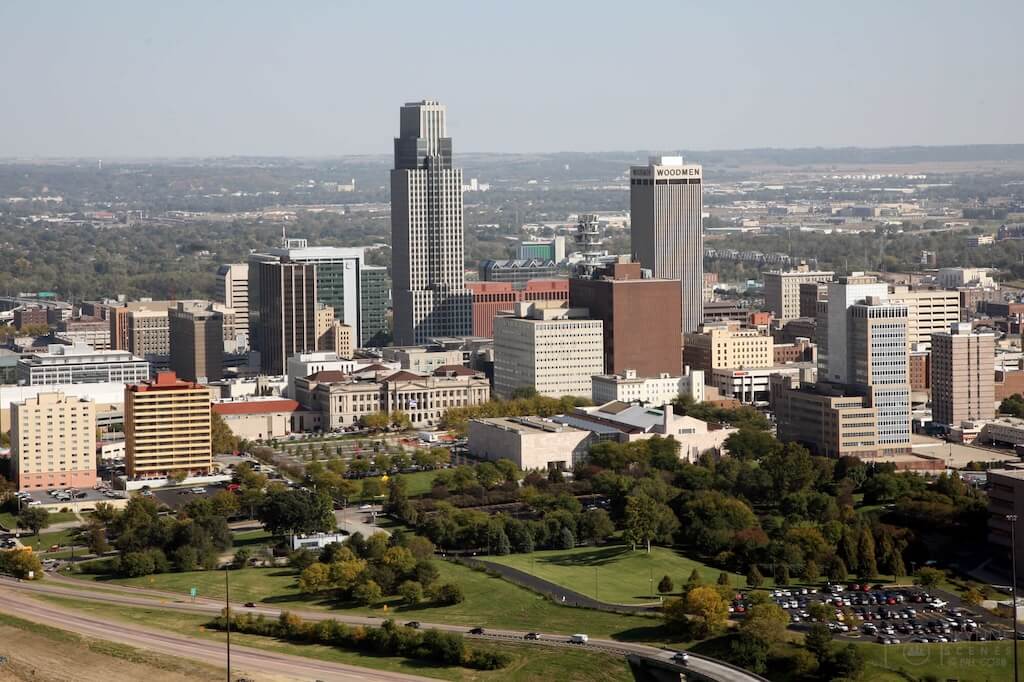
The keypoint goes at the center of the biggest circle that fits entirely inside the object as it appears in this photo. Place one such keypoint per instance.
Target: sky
(317, 78)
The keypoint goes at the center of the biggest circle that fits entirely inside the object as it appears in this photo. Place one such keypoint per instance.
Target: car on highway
(250, 605)
(532, 635)
(681, 657)
(579, 639)
(414, 624)
(476, 631)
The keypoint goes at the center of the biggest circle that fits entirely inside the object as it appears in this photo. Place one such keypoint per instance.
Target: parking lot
(175, 498)
(891, 615)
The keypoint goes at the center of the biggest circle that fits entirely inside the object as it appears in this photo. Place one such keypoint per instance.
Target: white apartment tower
(666, 229)
(430, 296)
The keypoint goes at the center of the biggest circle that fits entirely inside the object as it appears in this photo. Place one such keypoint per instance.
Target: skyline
(251, 80)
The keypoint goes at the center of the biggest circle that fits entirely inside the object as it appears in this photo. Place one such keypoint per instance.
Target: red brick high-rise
(491, 298)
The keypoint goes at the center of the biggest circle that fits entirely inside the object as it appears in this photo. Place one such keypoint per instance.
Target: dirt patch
(58, 656)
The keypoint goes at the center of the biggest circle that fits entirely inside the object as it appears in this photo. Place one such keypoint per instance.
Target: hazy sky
(326, 78)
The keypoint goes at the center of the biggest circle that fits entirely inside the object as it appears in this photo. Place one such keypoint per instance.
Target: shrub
(449, 594)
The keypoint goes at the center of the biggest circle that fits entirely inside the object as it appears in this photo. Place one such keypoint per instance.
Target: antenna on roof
(284, 236)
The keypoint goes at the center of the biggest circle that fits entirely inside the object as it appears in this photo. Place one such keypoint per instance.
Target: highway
(60, 586)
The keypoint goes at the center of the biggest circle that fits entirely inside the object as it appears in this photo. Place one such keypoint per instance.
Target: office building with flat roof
(197, 342)
(80, 364)
(782, 289)
(491, 298)
(666, 228)
(233, 292)
(53, 442)
(963, 375)
(427, 236)
(282, 311)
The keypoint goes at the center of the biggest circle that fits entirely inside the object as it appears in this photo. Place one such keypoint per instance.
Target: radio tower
(588, 242)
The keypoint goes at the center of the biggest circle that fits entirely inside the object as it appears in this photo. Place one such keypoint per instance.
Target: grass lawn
(528, 662)
(613, 573)
(418, 482)
(9, 520)
(490, 602)
(966, 661)
(252, 538)
(45, 540)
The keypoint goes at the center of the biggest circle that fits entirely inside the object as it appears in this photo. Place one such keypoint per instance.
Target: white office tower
(667, 235)
(430, 296)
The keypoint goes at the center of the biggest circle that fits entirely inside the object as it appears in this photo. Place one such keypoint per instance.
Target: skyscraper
(666, 202)
(282, 310)
(233, 291)
(963, 375)
(197, 341)
(430, 295)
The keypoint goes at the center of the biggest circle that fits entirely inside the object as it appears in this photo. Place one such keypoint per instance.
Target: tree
(811, 572)
(847, 663)
(566, 539)
(296, 511)
(973, 596)
(368, 593)
(766, 623)
(754, 577)
(221, 436)
(723, 578)
(707, 609)
(596, 526)
(823, 613)
(648, 520)
(375, 421)
(448, 594)
(301, 559)
(94, 536)
(818, 641)
(34, 519)
(411, 592)
(242, 557)
(928, 577)
(866, 551)
(372, 487)
(665, 585)
(177, 476)
(694, 580)
(836, 570)
(503, 546)
(21, 563)
(782, 574)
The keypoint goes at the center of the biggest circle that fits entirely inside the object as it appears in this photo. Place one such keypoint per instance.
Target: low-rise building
(420, 359)
(81, 365)
(258, 418)
(531, 443)
(727, 345)
(659, 390)
(753, 386)
(85, 331)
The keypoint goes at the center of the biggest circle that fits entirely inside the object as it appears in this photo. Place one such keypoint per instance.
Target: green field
(490, 602)
(252, 539)
(963, 661)
(417, 483)
(528, 662)
(9, 520)
(613, 573)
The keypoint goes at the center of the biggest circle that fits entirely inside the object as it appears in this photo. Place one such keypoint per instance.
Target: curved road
(244, 660)
(130, 596)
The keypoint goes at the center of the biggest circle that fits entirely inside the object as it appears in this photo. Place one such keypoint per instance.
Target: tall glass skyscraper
(428, 253)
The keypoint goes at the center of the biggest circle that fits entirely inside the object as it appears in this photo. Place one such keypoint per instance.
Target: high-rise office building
(197, 341)
(167, 428)
(358, 293)
(53, 442)
(963, 375)
(782, 289)
(282, 310)
(233, 292)
(640, 315)
(431, 299)
(666, 232)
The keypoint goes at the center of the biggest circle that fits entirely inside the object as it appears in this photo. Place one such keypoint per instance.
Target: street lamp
(1012, 518)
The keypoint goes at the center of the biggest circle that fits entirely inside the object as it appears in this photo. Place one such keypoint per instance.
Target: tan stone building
(727, 345)
(53, 442)
(782, 289)
(167, 428)
(530, 443)
(963, 375)
(929, 311)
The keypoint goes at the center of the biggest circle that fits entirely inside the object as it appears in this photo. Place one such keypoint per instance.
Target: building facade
(630, 387)
(282, 311)
(666, 228)
(53, 442)
(88, 331)
(81, 365)
(529, 442)
(197, 342)
(167, 428)
(928, 311)
(726, 345)
(428, 251)
(553, 350)
(782, 289)
(963, 375)
(491, 298)
(641, 329)
(233, 292)
(517, 272)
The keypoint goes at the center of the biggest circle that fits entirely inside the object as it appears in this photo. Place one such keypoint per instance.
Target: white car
(938, 604)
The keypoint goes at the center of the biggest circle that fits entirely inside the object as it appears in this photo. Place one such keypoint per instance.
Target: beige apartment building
(53, 442)
(167, 428)
(552, 349)
(830, 424)
(928, 311)
(782, 289)
(963, 375)
(726, 345)
(339, 338)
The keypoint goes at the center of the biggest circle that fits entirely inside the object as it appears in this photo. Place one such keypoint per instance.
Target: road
(245, 661)
(128, 596)
(353, 520)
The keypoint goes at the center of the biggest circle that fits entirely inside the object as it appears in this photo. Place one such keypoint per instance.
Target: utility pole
(227, 619)
(1012, 518)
